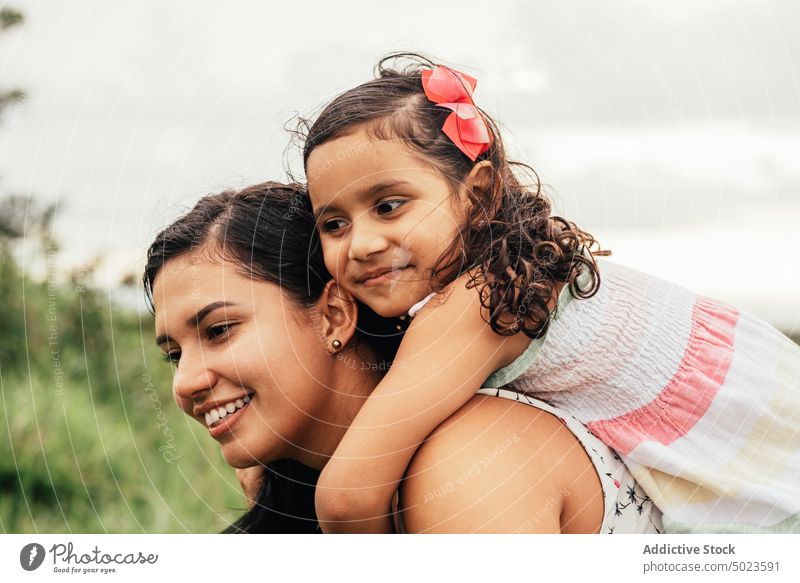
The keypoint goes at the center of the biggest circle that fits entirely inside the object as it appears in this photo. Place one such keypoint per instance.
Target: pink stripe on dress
(687, 397)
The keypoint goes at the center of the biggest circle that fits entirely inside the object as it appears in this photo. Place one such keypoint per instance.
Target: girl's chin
(390, 309)
(392, 312)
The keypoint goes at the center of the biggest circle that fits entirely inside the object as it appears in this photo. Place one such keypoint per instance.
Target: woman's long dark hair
(515, 251)
(269, 232)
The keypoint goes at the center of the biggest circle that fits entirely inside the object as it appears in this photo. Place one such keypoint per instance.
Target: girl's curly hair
(510, 246)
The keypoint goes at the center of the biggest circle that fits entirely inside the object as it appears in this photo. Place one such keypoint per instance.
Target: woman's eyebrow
(363, 194)
(203, 312)
(196, 319)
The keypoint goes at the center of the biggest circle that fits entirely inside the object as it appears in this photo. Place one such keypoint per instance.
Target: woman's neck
(350, 382)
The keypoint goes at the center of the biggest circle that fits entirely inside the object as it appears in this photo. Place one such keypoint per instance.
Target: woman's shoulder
(494, 466)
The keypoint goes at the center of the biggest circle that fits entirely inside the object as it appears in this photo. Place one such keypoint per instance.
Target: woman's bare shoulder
(495, 465)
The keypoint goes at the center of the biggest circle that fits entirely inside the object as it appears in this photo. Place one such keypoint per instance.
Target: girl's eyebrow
(196, 319)
(364, 194)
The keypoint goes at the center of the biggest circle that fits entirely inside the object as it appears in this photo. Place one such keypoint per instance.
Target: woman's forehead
(186, 282)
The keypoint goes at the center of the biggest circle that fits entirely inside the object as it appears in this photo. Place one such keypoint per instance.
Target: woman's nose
(192, 376)
(366, 241)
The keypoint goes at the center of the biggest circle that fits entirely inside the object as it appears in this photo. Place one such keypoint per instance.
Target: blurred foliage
(96, 443)
(8, 19)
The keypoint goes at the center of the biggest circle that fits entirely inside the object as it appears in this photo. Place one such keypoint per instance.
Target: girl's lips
(383, 277)
(225, 425)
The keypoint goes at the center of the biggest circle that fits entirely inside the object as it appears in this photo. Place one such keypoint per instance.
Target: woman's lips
(225, 425)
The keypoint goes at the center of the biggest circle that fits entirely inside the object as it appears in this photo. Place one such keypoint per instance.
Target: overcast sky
(670, 130)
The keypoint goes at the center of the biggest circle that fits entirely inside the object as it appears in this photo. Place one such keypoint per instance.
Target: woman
(276, 360)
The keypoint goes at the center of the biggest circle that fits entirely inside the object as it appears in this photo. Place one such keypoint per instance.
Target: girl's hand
(250, 480)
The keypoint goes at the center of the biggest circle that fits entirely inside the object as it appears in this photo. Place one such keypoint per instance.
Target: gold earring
(336, 344)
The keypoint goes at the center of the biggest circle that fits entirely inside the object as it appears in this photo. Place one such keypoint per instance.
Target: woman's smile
(221, 420)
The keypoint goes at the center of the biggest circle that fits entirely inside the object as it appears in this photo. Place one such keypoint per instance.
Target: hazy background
(671, 130)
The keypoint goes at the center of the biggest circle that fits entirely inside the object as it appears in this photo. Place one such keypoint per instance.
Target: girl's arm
(445, 356)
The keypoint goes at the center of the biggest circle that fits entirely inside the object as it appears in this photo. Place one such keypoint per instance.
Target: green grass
(85, 407)
(72, 465)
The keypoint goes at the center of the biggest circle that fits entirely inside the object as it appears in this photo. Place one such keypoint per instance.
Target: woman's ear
(339, 316)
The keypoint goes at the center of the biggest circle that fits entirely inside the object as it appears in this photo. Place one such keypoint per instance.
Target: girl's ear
(478, 183)
(338, 316)
(479, 179)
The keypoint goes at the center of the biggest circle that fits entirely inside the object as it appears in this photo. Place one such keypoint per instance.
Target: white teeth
(221, 412)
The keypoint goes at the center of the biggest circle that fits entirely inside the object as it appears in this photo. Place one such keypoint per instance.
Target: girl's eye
(388, 206)
(333, 225)
(172, 357)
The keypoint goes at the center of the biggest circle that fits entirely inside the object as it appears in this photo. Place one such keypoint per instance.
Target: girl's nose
(364, 242)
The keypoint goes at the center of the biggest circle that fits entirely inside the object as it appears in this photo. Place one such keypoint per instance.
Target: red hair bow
(465, 126)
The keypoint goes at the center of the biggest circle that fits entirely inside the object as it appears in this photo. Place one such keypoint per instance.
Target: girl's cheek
(334, 256)
(330, 264)
(327, 250)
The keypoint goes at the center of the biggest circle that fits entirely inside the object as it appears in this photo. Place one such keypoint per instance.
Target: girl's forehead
(355, 163)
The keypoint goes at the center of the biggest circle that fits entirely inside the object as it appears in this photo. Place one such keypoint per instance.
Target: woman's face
(232, 340)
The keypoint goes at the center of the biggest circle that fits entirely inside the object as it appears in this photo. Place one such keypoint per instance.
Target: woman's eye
(333, 225)
(218, 331)
(388, 206)
(172, 357)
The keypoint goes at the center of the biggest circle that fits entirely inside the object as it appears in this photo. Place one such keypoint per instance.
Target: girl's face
(233, 339)
(384, 219)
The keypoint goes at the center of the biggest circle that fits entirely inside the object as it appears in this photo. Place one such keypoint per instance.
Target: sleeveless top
(700, 400)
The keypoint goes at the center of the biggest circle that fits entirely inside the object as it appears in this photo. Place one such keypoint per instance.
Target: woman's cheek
(184, 405)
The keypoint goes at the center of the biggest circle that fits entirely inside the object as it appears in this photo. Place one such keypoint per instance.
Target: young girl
(421, 215)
